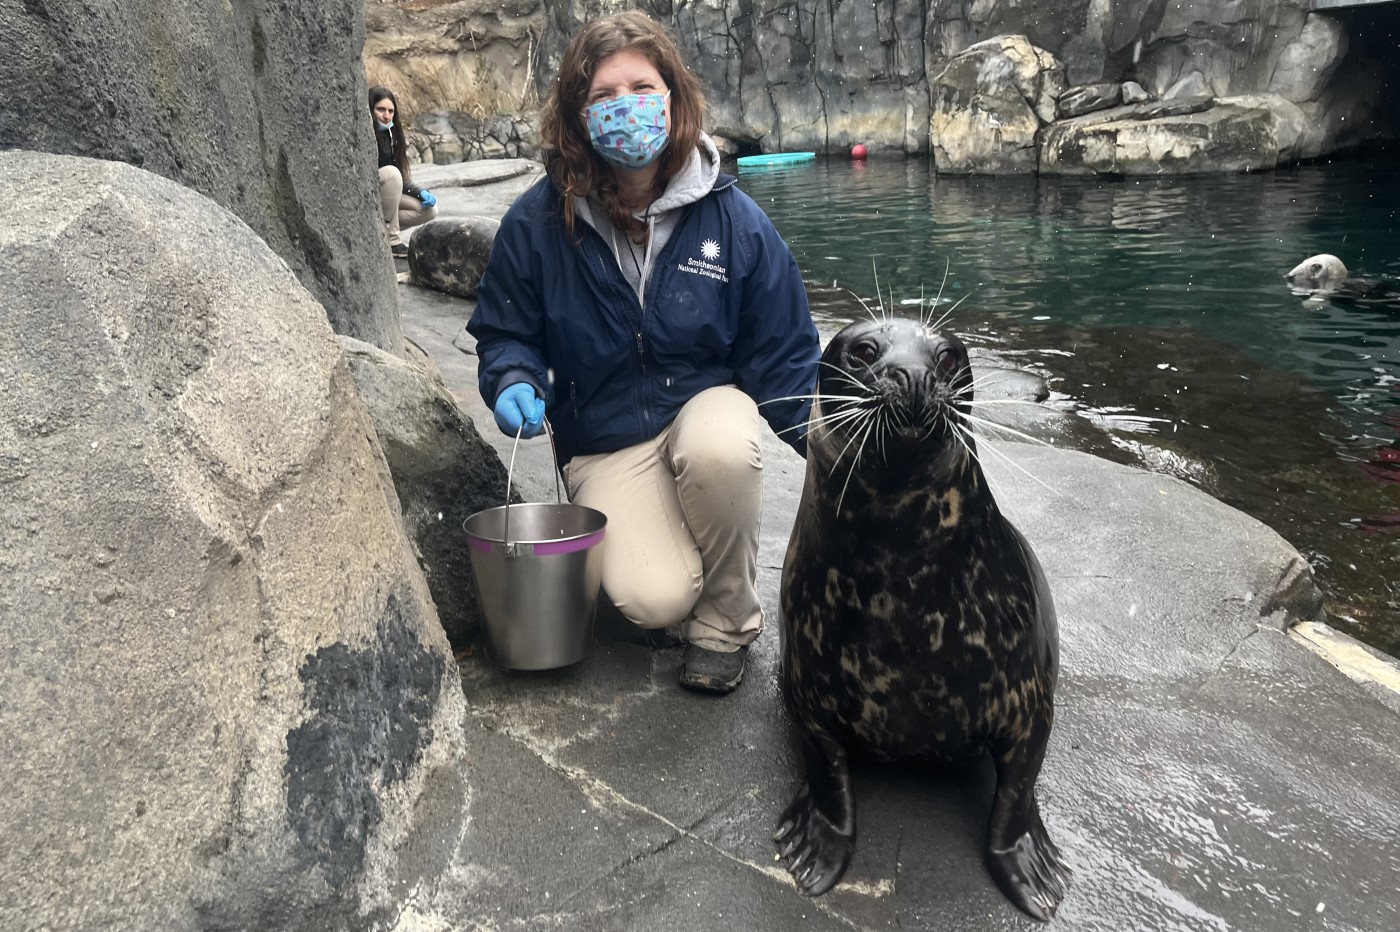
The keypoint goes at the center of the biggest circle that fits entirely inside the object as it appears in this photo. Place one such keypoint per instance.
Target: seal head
(1323, 272)
(917, 623)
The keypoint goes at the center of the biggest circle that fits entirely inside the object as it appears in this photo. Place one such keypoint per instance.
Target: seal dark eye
(947, 361)
(1316, 267)
(864, 353)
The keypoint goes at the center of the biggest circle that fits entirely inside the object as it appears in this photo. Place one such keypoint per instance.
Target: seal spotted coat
(917, 623)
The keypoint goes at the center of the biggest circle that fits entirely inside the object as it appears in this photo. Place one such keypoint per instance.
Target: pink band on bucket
(542, 549)
(568, 546)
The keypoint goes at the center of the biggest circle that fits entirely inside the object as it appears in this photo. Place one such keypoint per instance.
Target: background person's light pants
(683, 512)
(400, 210)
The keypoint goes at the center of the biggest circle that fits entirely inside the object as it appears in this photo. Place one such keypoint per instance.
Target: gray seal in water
(1323, 272)
(917, 622)
(1325, 278)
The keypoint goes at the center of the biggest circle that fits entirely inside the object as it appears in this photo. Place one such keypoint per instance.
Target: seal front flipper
(1023, 860)
(817, 831)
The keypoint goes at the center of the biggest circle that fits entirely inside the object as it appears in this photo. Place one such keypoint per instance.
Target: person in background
(404, 203)
(645, 305)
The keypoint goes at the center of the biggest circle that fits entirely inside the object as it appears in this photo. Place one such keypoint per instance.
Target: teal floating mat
(775, 158)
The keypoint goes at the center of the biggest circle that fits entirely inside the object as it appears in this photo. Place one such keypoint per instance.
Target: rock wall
(226, 702)
(809, 75)
(259, 105)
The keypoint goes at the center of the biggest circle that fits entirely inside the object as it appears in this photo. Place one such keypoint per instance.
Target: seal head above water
(1325, 278)
(917, 623)
(1324, 272)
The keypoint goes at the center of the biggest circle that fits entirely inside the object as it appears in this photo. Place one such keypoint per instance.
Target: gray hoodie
(687, 186)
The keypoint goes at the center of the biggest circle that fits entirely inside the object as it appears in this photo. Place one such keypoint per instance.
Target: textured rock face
(227, 703)
(258, 105)
(1179, 137)
(443, 472)
(810, 75)
(989, 104)
(1087, 98)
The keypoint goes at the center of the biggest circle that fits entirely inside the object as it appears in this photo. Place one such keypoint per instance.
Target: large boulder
(227, 701)
(258, 105)
(1306, 65)
(989, 105)
(443, 472)
(1178, 136)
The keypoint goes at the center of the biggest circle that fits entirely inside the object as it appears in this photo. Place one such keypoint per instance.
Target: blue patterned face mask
(629, 130)
(384, 126)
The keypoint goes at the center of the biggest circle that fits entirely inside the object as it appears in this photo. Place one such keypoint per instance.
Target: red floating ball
(858, 151)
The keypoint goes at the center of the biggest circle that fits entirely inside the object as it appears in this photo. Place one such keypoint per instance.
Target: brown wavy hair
(576, 168)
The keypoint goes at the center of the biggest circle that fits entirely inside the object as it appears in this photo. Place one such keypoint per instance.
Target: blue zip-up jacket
(724, 304)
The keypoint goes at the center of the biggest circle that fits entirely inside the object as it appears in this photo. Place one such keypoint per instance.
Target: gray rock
(1134, 93)
(443, 472)
(445, 136)
(227, 703)
(450, 255)
(989, 105)
(1190, 85)
(1086, 98)
(258, 106)
(1308, 63)
(1184, 136)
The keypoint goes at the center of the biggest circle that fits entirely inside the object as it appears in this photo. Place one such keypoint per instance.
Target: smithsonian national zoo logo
(706, 266)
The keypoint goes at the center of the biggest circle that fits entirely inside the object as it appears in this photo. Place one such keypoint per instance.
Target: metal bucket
(538, 570)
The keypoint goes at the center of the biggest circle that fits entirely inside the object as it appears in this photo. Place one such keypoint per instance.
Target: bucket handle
(511, 547)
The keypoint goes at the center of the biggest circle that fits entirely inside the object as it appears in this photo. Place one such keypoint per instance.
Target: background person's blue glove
(518, 404)
(427, 198)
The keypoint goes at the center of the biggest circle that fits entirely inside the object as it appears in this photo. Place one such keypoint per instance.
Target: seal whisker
(879, 299)
(924, 321)
(978, 383)
(843, 406)
(864, 305)
(991, 448)
(948, 314)
(858, 433)
(883, 416)
(977, 403)
(854, 462)
(981, 381)
(967, 441)
(846, 376)
(837, 419)
(863, 414)
(815, 396)
(993, 425)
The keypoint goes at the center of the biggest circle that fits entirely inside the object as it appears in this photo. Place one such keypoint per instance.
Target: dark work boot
(712, 671)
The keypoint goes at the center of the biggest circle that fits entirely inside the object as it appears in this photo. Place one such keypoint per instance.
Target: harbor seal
(1324, 277)
(917, 623)
(1324, 272)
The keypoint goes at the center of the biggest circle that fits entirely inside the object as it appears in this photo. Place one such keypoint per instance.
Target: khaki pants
(400, 210)
(683, 514)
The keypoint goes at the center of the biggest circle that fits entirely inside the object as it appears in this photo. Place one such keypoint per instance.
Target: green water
(1159, 310)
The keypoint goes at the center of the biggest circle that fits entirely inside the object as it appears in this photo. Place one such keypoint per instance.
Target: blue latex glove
(427, 198)
(516, 405)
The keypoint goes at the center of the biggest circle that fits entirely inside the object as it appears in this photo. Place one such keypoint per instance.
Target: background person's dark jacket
(385, 139)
